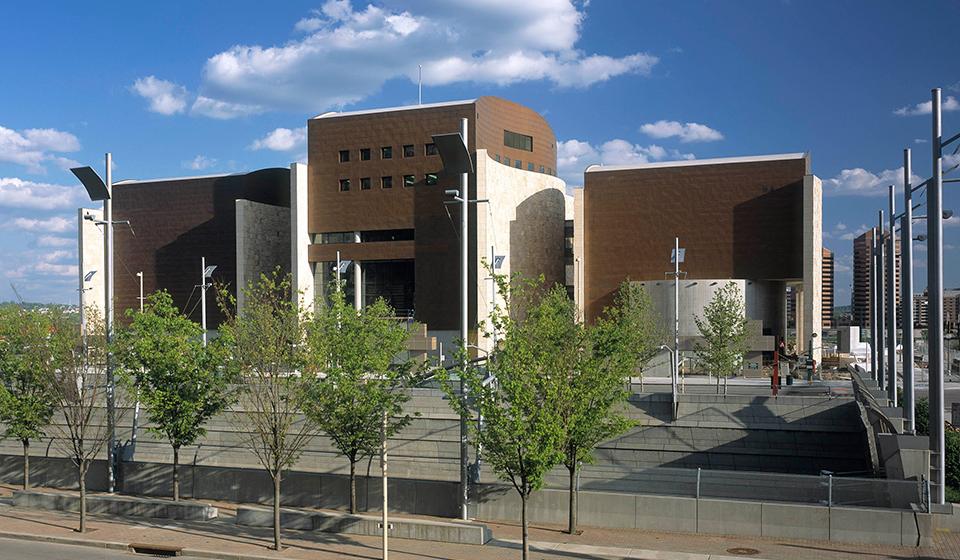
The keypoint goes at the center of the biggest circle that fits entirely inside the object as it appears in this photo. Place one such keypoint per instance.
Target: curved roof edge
(692, 162)
(195, 177)
(335, 114)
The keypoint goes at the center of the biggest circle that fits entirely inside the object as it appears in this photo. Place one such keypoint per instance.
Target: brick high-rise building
(827, 290)
(862, 279)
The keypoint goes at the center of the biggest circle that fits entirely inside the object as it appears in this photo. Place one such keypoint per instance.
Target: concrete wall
(263, 242)
(718, 517)
(91, 252)
(302, 270)
(811, 321)
(522, 221)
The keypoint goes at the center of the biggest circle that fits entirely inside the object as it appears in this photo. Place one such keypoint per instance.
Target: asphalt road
(26, 550)
(951, 394)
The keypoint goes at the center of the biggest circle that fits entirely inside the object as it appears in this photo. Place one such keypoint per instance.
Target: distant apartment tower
(827, 297)
(951, 309)
(920, 310)
(827, 300)
(862, 279)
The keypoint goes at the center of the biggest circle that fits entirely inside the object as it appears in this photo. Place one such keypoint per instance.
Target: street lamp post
(892, 306)
(935, 304)
(205, 273)
(98, 190)
(455, 155)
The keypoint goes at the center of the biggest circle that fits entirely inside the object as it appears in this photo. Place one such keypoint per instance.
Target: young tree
(264, 344)
(78, 366)
(164, 361)
(355, 378)
(522, 436)
(724, 329)
(26, 395)
(607, 353)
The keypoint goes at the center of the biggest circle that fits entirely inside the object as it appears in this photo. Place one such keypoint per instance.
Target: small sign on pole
(673, 254)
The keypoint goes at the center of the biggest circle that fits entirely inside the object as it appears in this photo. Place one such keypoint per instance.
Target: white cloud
(199, 163)
(686, 132)
(34, 146)
(165, 97)
(573, 156)
(919, 140)
(55, 224)
(347, 55)
(925, 108)
(18, 193)
(217, 109)
(54, 241)
(281, 140)
(858, 181)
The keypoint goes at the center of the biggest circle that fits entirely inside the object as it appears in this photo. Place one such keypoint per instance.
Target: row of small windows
(365, 236)
(519, 164)
(386, 152)
(386, 182)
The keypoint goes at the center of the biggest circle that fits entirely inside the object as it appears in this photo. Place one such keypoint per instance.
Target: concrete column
(800, 334)
(357, 278)
(302, 270)
(578, 256)
(812, 262)
(784, 304)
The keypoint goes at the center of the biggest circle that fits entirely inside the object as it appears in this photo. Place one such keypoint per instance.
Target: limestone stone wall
(263, 242)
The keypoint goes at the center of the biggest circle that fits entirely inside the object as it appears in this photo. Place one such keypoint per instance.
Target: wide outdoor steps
(369, 525)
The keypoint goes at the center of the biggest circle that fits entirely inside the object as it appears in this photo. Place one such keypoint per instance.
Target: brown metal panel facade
(736, 220)
(178, 221)
(420, 206)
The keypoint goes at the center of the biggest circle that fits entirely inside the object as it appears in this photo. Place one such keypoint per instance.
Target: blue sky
(180, 88)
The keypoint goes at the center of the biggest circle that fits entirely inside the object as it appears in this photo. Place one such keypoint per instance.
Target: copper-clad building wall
(740, 219)
(435, 248)
(178, 221)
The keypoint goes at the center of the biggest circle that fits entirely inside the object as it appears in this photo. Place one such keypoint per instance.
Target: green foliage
(522, 435)
(264, 345)
(26, 395)
(952, 458)
(162, 359)
(724, 329)
(355, 376)
(622, 340)
(921, 418)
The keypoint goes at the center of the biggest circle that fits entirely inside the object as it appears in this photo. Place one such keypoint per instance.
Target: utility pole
(892, 305)
(383, 468)
(676, 316)
(935, 305)
(906, 291)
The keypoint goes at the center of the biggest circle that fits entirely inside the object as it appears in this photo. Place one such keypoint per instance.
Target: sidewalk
(223, 539)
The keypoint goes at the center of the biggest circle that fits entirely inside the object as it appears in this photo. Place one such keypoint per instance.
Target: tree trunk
(26, 463)
(276, 511)
(724, 386)
(572, 514)
(353, 486)
(83, 499)
(523, 524)
(176, 473)
(718, 383)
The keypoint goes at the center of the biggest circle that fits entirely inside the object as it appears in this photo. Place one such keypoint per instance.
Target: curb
(125, 547)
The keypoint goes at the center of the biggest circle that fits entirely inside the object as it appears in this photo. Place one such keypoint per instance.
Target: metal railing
(827, 489)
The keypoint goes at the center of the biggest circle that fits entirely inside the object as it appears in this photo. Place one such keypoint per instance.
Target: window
(344, 185)
(408, 150)
(386, 182)
(409, 180)
(506, 160)
(430, 149)
(430, 178)
(344, 156)
(530, 166)
(386, 152)
(541, 169)
(518, 164)
(549, 171)
(496, 157)
(386, 235)
(365, 183)
(364, 154)
(334, 237)
(518, 141)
